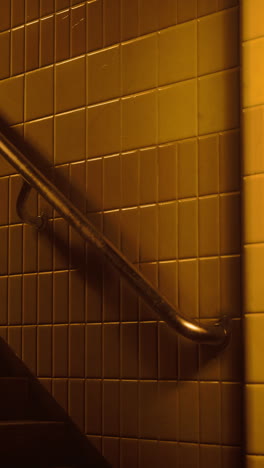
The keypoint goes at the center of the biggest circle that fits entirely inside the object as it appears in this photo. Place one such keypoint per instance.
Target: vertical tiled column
(253, 225)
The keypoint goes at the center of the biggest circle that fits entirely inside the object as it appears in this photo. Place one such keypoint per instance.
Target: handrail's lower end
(225, 323)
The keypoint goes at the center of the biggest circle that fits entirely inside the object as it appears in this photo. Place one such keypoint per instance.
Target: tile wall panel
(136, 105)
(252, 111)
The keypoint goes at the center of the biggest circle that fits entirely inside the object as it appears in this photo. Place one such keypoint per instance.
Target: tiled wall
(136, 103)
(253, 226)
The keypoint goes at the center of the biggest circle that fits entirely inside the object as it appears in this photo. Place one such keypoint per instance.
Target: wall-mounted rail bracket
(39, 222)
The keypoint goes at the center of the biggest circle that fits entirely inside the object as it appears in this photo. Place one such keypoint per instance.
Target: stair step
(35, 442)
(14, 398)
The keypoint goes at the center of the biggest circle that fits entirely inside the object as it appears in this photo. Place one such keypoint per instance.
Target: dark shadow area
(69, 448)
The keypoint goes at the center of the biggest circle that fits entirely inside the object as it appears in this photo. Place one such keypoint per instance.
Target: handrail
(216, 333)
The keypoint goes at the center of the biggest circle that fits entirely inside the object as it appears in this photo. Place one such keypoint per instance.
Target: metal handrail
(213, 333)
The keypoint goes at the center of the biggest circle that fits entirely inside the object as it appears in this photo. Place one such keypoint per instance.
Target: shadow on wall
(75, 449)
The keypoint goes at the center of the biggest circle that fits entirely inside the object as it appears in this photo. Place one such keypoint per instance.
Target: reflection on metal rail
(213, 333)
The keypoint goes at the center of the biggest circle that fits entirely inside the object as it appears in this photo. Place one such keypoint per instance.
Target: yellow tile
(253, 203)
(150, 271)
(190, 454)
(227, 4)
(187, 169)
(5, 11)
(47, 41)
(210, 414)
(46, 7)
(209, 226)
(167, 164)
(111, 351)
(44, 347)
(254, 461)
(62, 35)
(18, 51)
(15, 187)
(168, 410)
(5, 55)
(104, 120)
(178, 53)
(209, 362)
(188, 228)
(188, 351)
(139, 60)
(252, 89)
(78, 32)
(30, 299)
(61, 4)
(218, 97)
(254, 395)
(11, 97)
(178, 111)
(167, 13)
(167, 230)
(93, 348)
(15, 299)
(4, 250)
(148, 16)
(254, 346)
(218, 42)
(148, 176)
(39, 93)
(32, 46)
(229, 159)
(4, 189)
(205, 7)
(111, 305)
(129, 298)
(252, 24)
(94, 189)
(188, 411)
(148, 452)
(168, 281)
(32, 10)
(112, 182)
(104, 75)
(168, 454)
(230, 224)
(70, 137)
(76, 402)
(210, 455)
(230, 282)
(129, 19)
(78, 185)
(94, 26)
(129, 392)
(209, 293)
(29, 344)
(253, 267)
(186, 10)
(148, 233)
(130, 178)
(130, 233)
(208, 165)
(139, 120)
(111, 22)
(44, 298)
(111, 227)
(18, 12)
(111, 449)
(188, 291)
(253, 140)
(70, 85)
(40, 134)
(231, 396)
